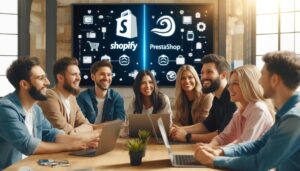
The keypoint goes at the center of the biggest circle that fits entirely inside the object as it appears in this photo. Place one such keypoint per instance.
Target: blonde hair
(181, 101)
(252, 91)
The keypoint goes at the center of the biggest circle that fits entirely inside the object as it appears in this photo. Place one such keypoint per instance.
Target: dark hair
(99, 64)
(20, 69)
(62, 64)
(220, 62)
(286, 64)
(156, 97)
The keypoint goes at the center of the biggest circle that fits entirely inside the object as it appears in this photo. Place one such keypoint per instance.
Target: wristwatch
(188, 137)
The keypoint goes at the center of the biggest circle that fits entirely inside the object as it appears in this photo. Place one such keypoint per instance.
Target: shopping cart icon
(93, 45)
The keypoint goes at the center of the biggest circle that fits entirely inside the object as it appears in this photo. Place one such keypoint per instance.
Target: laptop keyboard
(184, 159)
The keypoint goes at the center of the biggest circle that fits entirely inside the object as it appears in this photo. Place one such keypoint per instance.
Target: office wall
(37, 29)
(229, 28)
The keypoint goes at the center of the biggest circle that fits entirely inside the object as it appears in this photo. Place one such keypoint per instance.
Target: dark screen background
(94, 34)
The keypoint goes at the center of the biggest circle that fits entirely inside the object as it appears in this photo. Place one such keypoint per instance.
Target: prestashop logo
(167, 28)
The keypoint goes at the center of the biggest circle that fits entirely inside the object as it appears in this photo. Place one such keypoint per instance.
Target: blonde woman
(254, 115)
(191, 105)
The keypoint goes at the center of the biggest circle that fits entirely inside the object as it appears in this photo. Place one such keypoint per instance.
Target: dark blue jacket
(113, 107)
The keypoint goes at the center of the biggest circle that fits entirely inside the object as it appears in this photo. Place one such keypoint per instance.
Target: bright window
(277, 27)
(8, 41)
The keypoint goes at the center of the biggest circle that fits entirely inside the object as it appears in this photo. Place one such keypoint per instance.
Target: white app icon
(133, 73)
(197, 15)
(126, 25)
(198, 45)
(190, 35)
(201, 27)
(103, 30)
(153, 72)
(105, 57)
(93, 45)
(88, 19)
(168, 25)
(91, 35)
(197, 60)
(171, 75)
(124, 60)
(163, 60)
(87, 59)
(100, 17)
(187, 20)
(180, 60)
(85, 77)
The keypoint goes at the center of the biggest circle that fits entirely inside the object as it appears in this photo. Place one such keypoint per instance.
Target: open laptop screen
(147, 122)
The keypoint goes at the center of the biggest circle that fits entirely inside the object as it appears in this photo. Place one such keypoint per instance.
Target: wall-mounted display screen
(133, 37)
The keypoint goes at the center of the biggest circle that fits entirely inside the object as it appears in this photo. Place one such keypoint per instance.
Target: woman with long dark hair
(148, 99)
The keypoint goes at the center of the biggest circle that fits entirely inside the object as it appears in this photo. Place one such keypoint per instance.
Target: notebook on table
(148, 122)
(108, 138)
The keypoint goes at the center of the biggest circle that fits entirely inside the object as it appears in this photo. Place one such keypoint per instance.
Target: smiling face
(234, 88)
(146, 86)
(187, 81)
(210, 78)
(38, 83)
(72, 79)
(102, 78)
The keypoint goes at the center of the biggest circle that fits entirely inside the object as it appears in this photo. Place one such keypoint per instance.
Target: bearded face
(71, 89)
(210, 85)
(37, 94)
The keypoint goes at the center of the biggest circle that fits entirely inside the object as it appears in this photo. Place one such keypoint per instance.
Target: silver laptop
(108, 138)
(177, 160)
(147, 122)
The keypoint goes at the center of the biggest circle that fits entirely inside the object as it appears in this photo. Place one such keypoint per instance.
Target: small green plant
(144, 135)
(135, 145)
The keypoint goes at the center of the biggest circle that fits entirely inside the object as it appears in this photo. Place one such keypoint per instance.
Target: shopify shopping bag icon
(126, 25)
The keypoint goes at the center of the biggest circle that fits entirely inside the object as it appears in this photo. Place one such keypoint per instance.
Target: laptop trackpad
(86, 152)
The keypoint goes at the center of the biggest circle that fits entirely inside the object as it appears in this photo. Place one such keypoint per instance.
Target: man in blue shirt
(23, 127)
(101, 103)
(279, 148)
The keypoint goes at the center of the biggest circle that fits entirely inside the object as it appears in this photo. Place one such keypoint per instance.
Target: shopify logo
(126, 25)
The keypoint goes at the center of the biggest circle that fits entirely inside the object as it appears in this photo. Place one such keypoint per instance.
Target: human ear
(274, 80)
(93, 77)
(60, 77)
(223, 75)
(24, 84)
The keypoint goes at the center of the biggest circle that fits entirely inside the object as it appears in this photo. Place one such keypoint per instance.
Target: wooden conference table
(156, 158)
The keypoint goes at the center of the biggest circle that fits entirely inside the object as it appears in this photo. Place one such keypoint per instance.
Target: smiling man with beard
(23, 128)
(101, 103)
(214, 80)
(278, 149)
(61, 108)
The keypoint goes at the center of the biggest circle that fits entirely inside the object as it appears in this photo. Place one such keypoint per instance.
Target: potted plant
(144, 136)
(135, 147)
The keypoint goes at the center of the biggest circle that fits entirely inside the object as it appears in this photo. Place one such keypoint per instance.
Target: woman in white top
(148, 100)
